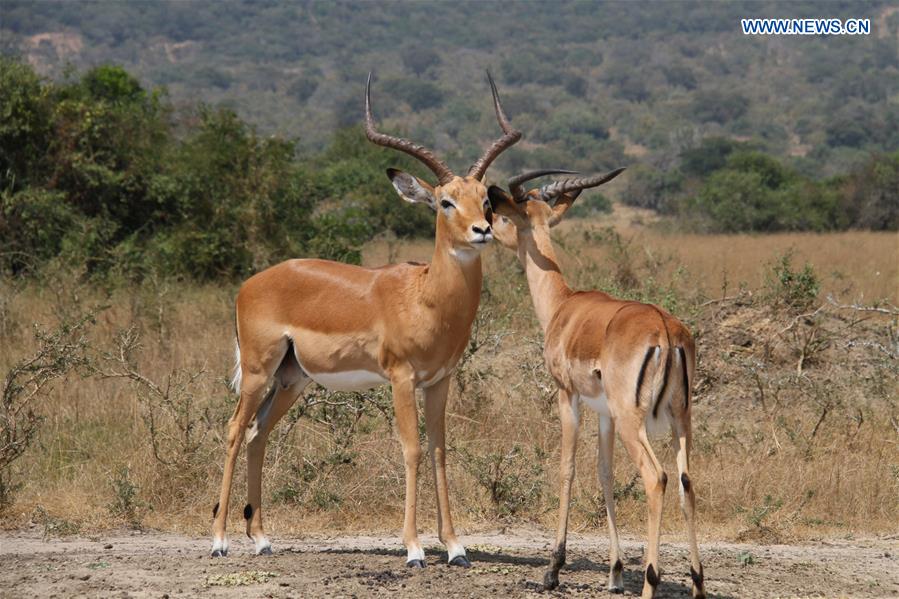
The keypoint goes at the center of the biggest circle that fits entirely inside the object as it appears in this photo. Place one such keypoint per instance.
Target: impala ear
(502, 203)
(412, 189)
(562, 205)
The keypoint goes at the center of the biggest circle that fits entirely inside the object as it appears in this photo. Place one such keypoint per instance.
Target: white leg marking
(455, 550)
(261, 545)
(415, 552)
(220, 544)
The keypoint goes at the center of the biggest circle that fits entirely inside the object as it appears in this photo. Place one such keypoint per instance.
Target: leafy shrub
(792, 288)
(514, 479)
(652, 188)
(126, 503)
(870, 195)
(59, 352)
(590, 205)
(710, 155)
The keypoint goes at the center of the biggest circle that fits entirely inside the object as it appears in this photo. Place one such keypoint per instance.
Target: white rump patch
(657, 426)
(348, 380)
(599, 404)
(237, 373)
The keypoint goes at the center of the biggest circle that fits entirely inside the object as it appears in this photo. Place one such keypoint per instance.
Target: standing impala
(632, 363)
(352, 328)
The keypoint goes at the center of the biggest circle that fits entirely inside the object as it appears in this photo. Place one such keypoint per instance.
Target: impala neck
(454, 276)
(545, 280)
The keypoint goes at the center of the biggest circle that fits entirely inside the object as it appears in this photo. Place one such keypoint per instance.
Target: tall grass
(795, 418)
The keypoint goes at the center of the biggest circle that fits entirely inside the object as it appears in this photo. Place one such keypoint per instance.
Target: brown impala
(352, 328)
(631, 363)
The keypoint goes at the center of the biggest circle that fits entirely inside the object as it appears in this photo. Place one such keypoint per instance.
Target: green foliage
(590, 205)
(710, 155)
(418, 58)
(649, 71)
(97, 175)
(126, 503)
(719, 106)
(513, 479)
(754, 192)
(871, 194)
(418, 93)
(25, 124)
(797, 289)
(653, 188)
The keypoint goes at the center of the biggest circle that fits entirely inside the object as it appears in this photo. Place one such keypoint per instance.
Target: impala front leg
(435, 421)
(568, 413)
(407, 426)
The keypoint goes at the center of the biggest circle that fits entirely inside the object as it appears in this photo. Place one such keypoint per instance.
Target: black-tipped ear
(502, 203)
(497, 195)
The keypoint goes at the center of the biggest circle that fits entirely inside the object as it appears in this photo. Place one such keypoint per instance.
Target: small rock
(85, 577)
(107, 546)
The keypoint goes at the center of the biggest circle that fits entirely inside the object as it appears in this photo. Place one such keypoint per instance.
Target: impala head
(461, 203)
(520, 209)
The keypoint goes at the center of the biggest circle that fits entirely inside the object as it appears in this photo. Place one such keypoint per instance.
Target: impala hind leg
(568, 414)
(435, 421)
(407, 427)
(606, 449)
(271, 411)
(253, 388)
(633, 436)
(681, 441)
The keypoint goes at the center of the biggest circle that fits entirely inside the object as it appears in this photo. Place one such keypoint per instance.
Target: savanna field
(795, 413)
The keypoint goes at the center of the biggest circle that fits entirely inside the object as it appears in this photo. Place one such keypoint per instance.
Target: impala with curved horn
(631, 363)
(351, 328)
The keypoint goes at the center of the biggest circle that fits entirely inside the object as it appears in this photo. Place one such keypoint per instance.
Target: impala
(631, 363)
(351, 328)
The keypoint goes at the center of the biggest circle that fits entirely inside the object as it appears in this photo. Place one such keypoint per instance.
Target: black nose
(479, 230)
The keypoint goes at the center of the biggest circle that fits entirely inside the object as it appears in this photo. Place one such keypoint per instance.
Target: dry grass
(778, 454)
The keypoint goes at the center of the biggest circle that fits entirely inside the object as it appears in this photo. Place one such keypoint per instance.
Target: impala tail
(236, 373)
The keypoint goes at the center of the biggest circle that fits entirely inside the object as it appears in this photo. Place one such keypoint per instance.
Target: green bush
(117, 188)
(590, 205)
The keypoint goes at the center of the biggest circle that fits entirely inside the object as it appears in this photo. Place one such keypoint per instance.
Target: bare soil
(511, 564)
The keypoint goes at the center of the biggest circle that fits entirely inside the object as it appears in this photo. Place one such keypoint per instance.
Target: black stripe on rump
(640, 376)
(683, 365)
(655, 408)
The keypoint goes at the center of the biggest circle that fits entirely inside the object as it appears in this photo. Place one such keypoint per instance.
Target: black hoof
(461, 561)
(616, 590)
(550, 580)
(220, 553)
(416, 563)
(266, 551)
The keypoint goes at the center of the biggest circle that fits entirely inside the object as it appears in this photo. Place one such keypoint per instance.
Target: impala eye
(446, 204)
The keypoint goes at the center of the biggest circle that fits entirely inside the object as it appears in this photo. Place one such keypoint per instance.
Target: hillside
(591, 84)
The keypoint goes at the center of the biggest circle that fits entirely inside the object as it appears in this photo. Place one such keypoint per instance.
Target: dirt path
(508, 565)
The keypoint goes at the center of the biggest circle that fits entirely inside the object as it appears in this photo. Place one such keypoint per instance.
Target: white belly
(348, 380)
(598, 404)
